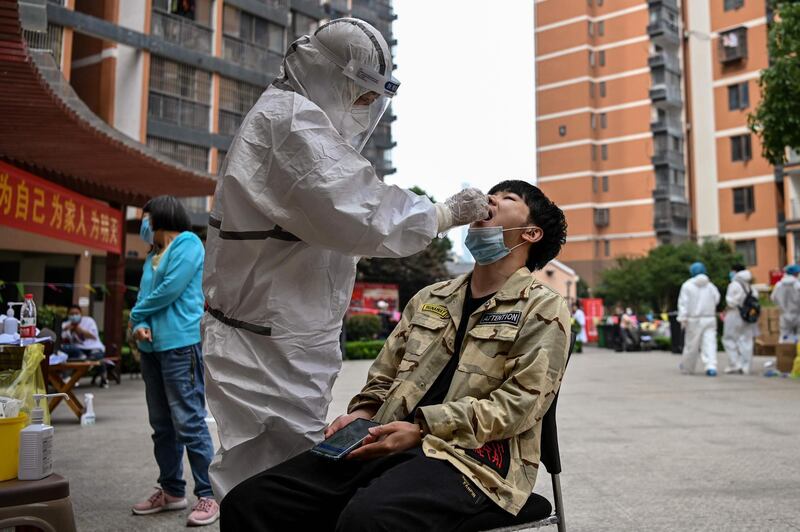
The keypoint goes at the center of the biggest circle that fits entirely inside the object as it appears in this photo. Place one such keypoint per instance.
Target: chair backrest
(550, 456)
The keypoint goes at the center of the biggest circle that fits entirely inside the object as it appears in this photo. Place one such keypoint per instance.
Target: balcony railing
(667, 95)
(670, 157)
(670, 191)
(663, 31)
(50, 41)
(182, 31)
(664, 60)
(250, 56)
(733, 45)
(176, 111)
(229, 122)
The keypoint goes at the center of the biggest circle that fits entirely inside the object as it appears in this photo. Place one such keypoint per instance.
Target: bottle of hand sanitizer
(88, 417)
(36, 443)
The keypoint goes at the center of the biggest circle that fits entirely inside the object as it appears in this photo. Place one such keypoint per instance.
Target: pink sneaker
(159, 501)
(204, 512)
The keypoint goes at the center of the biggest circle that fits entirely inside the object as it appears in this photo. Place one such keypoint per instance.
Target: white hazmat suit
(697, 304)
(738, 335)
(295, 207)
(786, 295)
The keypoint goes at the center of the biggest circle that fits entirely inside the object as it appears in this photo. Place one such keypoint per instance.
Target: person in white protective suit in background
(295, 207)
(786, 295)
(697, 305)
(738, 335)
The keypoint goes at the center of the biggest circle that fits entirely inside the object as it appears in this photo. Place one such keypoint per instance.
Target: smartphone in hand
(345, 439)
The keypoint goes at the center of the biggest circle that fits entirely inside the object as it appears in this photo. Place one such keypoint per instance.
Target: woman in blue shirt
(166, 325)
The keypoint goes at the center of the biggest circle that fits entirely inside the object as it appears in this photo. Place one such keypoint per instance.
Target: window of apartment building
(601, 28)
(601, 217)
(186, 23)
(607, 248)
(733, 4)
(741, 149)
(179, 94)
(605, 183)
(743, 200)
(603, 121)
(591, 89)
(591, 29)
(591, 58)
(594, 152)
(602, 89)
(235, 100)
(738, 96)
(602, 57)
(747, 248)
(303, 25)
(594, 183)
(251, 41)
(604, 152)
(593, 120)
(562, 131)
(192, 156)
(733, 45)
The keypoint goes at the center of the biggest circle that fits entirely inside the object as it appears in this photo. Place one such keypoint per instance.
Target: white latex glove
(469, 205)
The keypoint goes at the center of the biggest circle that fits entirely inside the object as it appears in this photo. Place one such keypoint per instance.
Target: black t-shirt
(438, 391)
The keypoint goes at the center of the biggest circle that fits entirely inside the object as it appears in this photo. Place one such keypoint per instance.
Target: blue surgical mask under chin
(145, 231)
(486, 244)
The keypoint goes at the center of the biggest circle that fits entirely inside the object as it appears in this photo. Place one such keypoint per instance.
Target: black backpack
(750, 309)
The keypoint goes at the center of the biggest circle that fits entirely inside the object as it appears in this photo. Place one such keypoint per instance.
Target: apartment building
(641, 119)
(180, 75)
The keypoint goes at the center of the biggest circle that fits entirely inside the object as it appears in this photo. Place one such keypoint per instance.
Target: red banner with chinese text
(593, 310)
(34, 204)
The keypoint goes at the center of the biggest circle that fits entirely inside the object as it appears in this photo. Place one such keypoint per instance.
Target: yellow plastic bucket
(9, 445)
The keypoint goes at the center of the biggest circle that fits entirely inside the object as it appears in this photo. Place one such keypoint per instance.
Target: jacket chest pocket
(424, 331)
(485, 351)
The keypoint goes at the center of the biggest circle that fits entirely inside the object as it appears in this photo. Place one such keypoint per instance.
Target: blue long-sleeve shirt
(170, 299)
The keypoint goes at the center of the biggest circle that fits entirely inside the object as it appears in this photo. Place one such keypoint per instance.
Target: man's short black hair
(544, 214)
(76, 307)
(738, 267)
(167, 213)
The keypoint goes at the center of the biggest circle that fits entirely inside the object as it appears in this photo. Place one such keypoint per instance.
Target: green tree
(412, 273)
(653, 282)
(776, 120)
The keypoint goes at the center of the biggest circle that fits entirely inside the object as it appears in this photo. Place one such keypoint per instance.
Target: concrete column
(82, 277)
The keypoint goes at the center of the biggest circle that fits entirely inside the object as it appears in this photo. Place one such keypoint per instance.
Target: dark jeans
(73, 352)
(406, 491)
(175, 388)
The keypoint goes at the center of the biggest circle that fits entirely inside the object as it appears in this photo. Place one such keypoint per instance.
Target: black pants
(407, 491)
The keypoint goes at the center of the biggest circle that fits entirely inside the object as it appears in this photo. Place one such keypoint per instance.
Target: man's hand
(346, 419)
(142, 335)
(392, 438)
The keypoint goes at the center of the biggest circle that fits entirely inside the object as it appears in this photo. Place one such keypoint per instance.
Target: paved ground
(643, 448)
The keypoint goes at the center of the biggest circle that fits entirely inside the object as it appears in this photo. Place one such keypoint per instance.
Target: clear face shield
(368, 109)
(364, 113)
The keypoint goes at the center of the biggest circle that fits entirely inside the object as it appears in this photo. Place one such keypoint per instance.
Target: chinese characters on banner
(367, 295)
(34, 204)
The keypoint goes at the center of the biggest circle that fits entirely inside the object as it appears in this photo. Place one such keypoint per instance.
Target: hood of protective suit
(743, 276)
(701, 279)
(344, 59)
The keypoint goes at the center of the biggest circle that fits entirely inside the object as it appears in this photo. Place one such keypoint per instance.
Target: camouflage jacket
(511, 362)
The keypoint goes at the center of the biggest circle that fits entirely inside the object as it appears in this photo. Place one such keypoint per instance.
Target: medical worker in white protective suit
(737, 334)
(296, 205)
(786, 295)
(697, 305)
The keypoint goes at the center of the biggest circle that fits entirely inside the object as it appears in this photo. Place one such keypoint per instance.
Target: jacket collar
(518, 286)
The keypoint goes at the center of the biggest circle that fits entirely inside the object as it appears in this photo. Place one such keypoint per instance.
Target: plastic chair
(44, 504)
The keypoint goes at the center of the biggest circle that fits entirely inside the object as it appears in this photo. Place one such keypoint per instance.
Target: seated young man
(460, 389)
